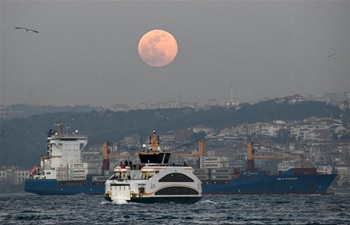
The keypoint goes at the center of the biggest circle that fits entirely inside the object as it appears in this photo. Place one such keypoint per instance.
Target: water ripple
(212, 209)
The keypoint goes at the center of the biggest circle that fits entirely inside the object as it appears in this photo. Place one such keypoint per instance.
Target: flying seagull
(331, 55)
(27, 29)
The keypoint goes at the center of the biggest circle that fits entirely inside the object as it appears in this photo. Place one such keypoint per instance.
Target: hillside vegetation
(23, 140)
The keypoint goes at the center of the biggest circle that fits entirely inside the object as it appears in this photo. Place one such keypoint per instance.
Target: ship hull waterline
(54, 187)
(311, 184)
(182, 200)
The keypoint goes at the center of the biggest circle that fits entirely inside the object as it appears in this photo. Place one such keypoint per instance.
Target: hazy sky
(87, 51)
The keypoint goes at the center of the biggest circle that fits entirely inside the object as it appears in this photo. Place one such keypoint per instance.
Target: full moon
(157, 48)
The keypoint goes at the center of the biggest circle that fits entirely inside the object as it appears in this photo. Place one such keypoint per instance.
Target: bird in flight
(331, 55)
(27, 29)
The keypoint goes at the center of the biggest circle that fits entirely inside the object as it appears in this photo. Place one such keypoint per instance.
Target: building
(19, 175)
(11, 178)
(296, 98)
(201, 128)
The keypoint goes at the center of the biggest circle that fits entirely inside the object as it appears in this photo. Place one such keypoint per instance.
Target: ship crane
(200, 152)
(106, 151)
(107, 145)
(106, 156)
(154, 146)
(251, 157)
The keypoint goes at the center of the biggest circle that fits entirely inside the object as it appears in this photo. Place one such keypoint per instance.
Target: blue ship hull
(54, 187)
(284, 183)
(255, 182)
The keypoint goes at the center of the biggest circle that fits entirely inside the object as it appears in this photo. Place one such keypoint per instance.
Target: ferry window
(177, 191)
(176, 177)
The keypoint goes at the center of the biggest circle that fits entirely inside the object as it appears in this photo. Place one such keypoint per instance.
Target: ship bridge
(154, 154)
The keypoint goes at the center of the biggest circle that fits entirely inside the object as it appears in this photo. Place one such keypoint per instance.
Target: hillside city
(324, 142)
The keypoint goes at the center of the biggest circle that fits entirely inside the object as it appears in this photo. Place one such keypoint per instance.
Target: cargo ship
(62, 173)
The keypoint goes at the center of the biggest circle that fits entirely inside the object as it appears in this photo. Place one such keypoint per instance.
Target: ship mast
(154, 142)
(59, 128)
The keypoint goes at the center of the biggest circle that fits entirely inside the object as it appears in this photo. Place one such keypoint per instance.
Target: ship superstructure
(61, 168)
(63, 154)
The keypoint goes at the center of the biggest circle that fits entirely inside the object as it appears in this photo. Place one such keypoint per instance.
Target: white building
(19, 175)
(12, 175)
(201, 128)
(270, 129)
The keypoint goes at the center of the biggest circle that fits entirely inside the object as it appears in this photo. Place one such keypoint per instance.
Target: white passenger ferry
(154, 180)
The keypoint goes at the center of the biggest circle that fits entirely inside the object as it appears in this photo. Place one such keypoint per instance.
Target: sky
(86, 52)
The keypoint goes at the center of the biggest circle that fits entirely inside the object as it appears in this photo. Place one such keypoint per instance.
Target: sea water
(212, 209)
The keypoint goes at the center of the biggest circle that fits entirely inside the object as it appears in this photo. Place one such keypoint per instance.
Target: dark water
(212, 209)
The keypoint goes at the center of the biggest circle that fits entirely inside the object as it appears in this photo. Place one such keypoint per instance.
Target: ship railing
(141, 165)
(67, 135)
(35, 177)
(165, 165)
